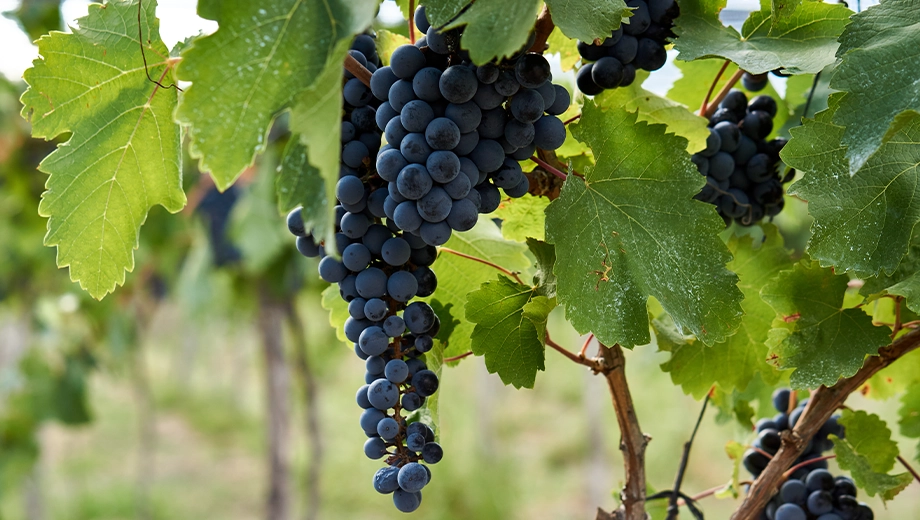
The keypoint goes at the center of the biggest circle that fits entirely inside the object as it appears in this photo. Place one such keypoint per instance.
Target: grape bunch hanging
(740, 165)
(811, 492)
(380, 270)
(637, 44)
(454, 134)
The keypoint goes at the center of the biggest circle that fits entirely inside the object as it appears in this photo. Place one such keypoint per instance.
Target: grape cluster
(768, 438)
(379, 269)
(740, 165)
(817, 495)
(455, 132)
(639, 44)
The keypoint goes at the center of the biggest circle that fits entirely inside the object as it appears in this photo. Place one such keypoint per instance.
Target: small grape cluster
(455, 132)
(639, 44)
(768, 438)
(380, 270)
(817, 495)
(758, 82)
(740, 165)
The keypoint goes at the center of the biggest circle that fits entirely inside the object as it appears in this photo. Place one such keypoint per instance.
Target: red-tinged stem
(705, 106)
(458, 358)
(360, 71)
(572, 119)
(760, 451)
(508, 272)
(808, 462)
(412, 22)
(909, 468)
(542, 29)
(710, 492)
(546, 166)
(584, 348)
(590, 363)
(711, 109)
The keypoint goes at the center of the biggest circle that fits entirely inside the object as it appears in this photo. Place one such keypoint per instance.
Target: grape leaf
(735, 451)
(863, 223)
(812, 333)
(338, 311)
(253, 67)
(653, 108)
(496, 29)
(868, 435)
(902, 282)
(783, 9)
(522, 217)
(442, 12)
(909, 413)
(387, 42)
(544, 278)
(124, 153)
(458, 276)
(805, 41)
(894, 379)
(510, 329)
(868, 453)
(254, 224)
(299, 184)
(878, 71)
(565, 47)
(735, 362)
(631, 229)
(586, 20)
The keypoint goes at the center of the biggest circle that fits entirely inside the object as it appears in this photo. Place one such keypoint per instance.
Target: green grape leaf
(868, 435)
(253, 67)
(812, 333)
(522, 217)
(445, 314)
(586, 20)
(781, 9)
(566, 49)
(734, 363)
(38, 16)
(653, 108)
(338, 311)
(878, 54)
(299, 184)
(894, 379)
(442, 12)
(496, 29)
(863, 223)
(902, 282)
(631, 229)
(735, 451)
(458, 276)
(124, 153)
(803, 42)
(868, 453)
(387, 42)
(909, 413)
(210, 9)
(544, 278)
(510, 329)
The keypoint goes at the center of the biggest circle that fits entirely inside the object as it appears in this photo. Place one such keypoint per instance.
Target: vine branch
(542, 29)
(820, 406)
(508, 272)
(360, 71)
(711, 107)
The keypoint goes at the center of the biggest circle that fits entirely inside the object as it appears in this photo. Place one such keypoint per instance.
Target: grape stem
(804, 463)
(542, 30)
(711, 108)
(546, 166)
(820, 407)
(760, 451)
(909, 468)
(710, 492)
(581, 360)
(360, 71)
(411, 22)
(458, 358)
(508, 272)
(684, 460)
(705, 105)
(572, 119)
(584, 348)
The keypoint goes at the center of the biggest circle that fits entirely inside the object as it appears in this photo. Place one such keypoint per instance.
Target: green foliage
(544, 279)
(878, 54)
(38, 16)
(124, 152)
(734, 363)
(457, 276)
(565, 48)
(803, 42)
(299, 184)
(656, 109)
(495, 28)
(630, 229)
(863, 223)
(812, 333)
(869, 454)
(265, 58)
(586, 20)
(510, 329)
(254, 224)
(523, 217)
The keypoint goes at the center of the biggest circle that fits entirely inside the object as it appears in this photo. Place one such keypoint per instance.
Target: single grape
(381, 81)
(755, 82)
(820, 480)
(547, 92)
(415, 148)
(406, 216)
(585, 82)
(640, 19)
(629, 75)
(435, 233)
(375, 448)
(527, 106)
(349, 189)
(331, 270)
(415, 442)
(406, 60)
(488, 155)
(402, 286)
(307, 247)
(820, 502)
(383, 394)
(419, 317)
(519, 134)
(650, 54)
(458, 84)
(432, 453)
(356, 257)
(416, 115)
(424, 256)
(507, 85)
(764, 104)
(789, 512)
(371, 283)
(369, 419)
(459, 187)
(365, 120)
(423, 343)
(487, 97)
(769, 441)
(466, 116)
(736, 101)
(549, 133)
(361, 398)
(441, 134)
(403, 500)
(395, 251)
(435, 205)
(354, 225)
(561, 102)
(375, 309)
(532, 70)
(463, 215)
(490, 198)
(400, 93)
(425, 383)
(411, 401)
(730, 135)
(794, 492)
(394, 326)
(356, 94)
(625, 50)
(385, 480)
